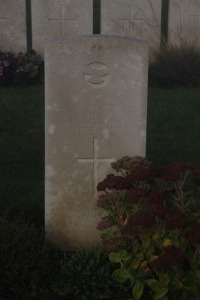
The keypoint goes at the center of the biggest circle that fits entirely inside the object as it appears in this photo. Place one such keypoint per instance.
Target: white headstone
(13, 26)
(60, 18)
(133, 18)
(96, 102)
(184, 22)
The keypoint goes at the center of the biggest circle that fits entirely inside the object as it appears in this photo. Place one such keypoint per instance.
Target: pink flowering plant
(22, 68)
(6, 68)
(29, 67)
(151, 230)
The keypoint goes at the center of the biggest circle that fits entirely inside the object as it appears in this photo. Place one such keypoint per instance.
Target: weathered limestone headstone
(133, 18)
(184, 22)
(96, 94)
(59, 18)
(13, 25)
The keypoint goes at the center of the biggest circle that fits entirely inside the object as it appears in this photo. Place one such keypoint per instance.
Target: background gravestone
(96, 94)
(184, 22)
(13, 25)
(59, 18)
(133, 18)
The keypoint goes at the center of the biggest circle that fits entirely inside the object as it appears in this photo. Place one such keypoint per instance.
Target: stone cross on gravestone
(95, 161)
(195, 13)
(62, 19)
(59, 18)
(183, 22)
(139, 19)
(128, 24)
(4, 9)
(194, 16)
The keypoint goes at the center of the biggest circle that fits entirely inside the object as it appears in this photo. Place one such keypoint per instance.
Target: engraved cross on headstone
(62, 19)
(2, 36)
(3, 4)
(95, 161)
(194, 16)
(128, 24)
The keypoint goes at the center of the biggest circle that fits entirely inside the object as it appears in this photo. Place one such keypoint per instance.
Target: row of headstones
(131, 18)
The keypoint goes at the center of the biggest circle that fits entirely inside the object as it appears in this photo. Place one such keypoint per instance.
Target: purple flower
(129, 163)
(138, 219)
(104, 224)
(113, 182)
(158, 210)
(134, 194)
(139, 174)
(193, 235)
(6, 63)
(1, 70)
(156, 197)
(108, 199)
(170, 256)
(173, 172)
(176, 220)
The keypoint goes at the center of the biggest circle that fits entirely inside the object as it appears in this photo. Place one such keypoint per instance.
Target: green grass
(173, 135)
(22, 151)
(173, 127)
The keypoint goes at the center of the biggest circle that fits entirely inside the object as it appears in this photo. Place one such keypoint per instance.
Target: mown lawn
(173, 134)
(22, 152)
(173, 127)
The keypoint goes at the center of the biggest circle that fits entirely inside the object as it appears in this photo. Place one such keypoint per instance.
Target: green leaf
(177, 205)
(120, 256)
(153, 284)
(116, 257)
(143, 275)
(157, 288)
(138, 289)
(147, 243)
(120, 275)
(162, 231)
(160, 294)
(198, 274)
(125, 255)
(136, 263)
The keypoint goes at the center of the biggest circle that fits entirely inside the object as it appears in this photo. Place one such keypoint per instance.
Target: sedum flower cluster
(21, 68)
(152, 227)
(4, 64)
